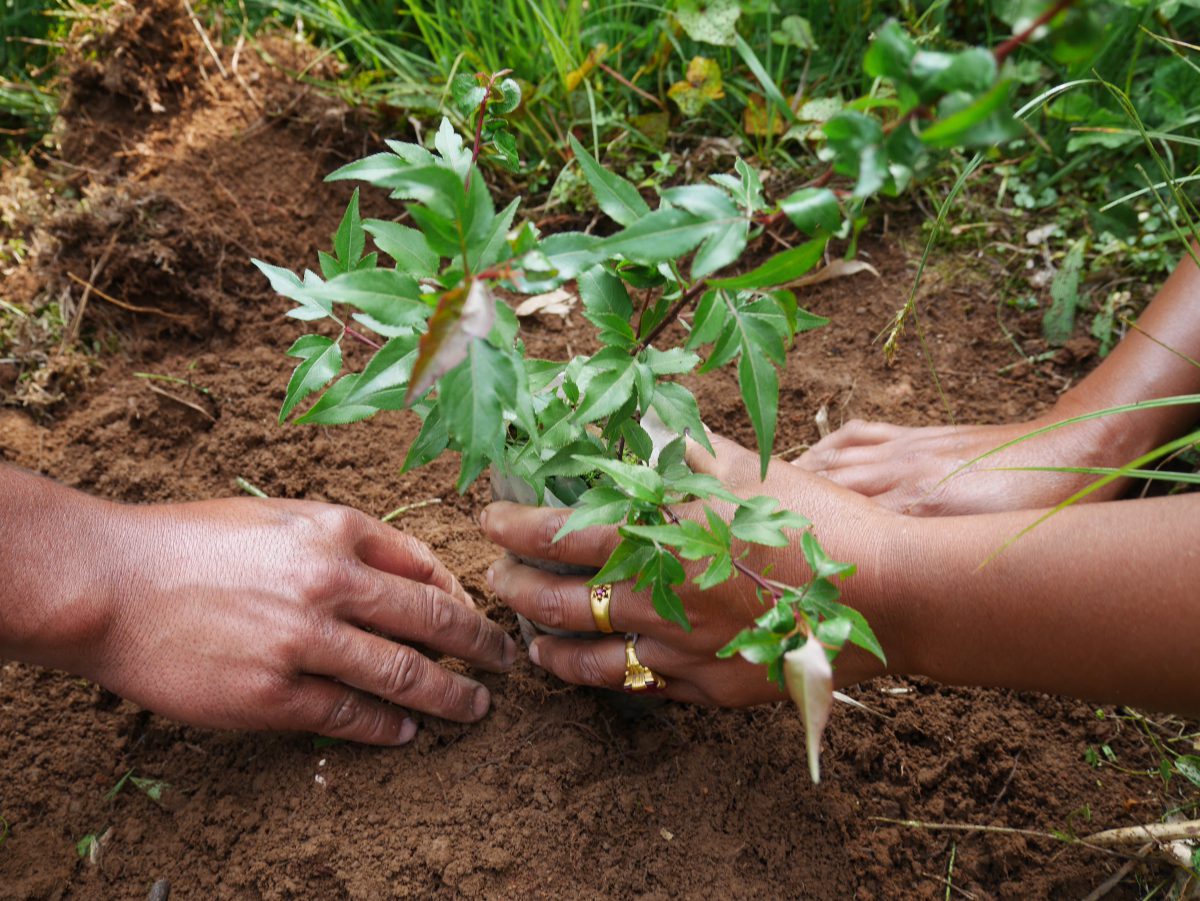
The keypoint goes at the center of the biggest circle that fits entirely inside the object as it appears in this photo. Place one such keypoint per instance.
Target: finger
(327, 708)
(869, 480)
(601, 663)
(832, 459)
(421, 613)
(726, 457)
(386, 548)
(400, 674)
(563, 602)
(860, 432)
(529, 532)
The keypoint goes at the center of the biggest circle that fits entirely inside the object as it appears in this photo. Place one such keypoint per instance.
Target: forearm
(55, 561)
(1101, 601)
(1151, 362)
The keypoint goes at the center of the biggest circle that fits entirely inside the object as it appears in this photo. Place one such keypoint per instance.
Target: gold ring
(600, 598)
(637, 676)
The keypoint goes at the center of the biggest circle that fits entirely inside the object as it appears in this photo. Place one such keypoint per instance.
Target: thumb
(725, 457)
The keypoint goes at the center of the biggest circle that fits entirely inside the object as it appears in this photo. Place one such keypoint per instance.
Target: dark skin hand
(242, 613)
(1097, 602)
(905, 469)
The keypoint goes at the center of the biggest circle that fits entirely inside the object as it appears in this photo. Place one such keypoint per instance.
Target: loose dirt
(558, 793)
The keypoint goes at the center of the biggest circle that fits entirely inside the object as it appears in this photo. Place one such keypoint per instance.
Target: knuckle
(440, 612)
(550, 605)
(590, 668)
(422, 563)
(343, 524)
(345, 713)
(547, 547)
(326, 576)
(402, 673)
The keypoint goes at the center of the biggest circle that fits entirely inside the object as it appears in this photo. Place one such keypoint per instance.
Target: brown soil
(556, 793)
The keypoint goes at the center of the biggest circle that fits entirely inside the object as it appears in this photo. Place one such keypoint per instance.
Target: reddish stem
(672, 314)
(487, 93)
(359, 336)
(613, 73)
(1003, 50)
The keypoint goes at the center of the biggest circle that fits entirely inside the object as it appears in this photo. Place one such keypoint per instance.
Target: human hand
(905, 469)
(255, 614)
(849, 526)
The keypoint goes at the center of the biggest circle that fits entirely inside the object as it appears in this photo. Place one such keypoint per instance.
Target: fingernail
(533, 653)
(408, 730)
(491, 575)
(481, 702)
(509, 654)
(483, 518)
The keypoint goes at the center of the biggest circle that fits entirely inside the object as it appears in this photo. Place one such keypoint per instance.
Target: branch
(1003, 50)
(684, 301)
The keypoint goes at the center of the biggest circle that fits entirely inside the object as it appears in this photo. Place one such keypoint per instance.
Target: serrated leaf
(474, 396)
(860, 633)
(387, 295)
(639, 482)
(823, 566)
(616, 196)
(758, 646)
(430, 442)
(759, 520)
(606, 393)
(779, 269)
(677, 408)
(321, 361)
(627, 560)
(449, 144)
(598, 506)
(665, 234)
(492, 246)
(287, 284)
(662, 574)
(407, 246)
(464, 314)
(759, 383)
(380, 386)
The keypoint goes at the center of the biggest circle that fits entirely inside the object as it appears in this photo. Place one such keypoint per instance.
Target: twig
(604, 67)
(1111, 882)
(359, 336)
(1003, 50)
(250, 488)
(1153, 832)
(76, 321)
(204, 37)
(400, 511)
(153, 311)
(174, 379)
(179, 400)
(672, 314)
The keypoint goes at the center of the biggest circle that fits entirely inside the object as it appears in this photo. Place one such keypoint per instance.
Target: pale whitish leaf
(558, 302)
(287, 284)
(321, 361)
(809, 680)
(449, 145)
(710, 21)
(617, 197)
(837, 269)
(463, 314)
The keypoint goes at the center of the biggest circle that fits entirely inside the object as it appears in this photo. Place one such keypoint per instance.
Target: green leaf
(757, 646)
(700, 485)
(474, 396)
(466, 93)
(784, 267)
(730, 228)
(665, 234)
(492, 246)
(982, 123)
(823, 566)
(710, 21)
(890, 54)
(639, 482)
(708, 321)
(407, 246)
(618, 198)
(760, 392)
(1188, 766)
(603, 294)
(677, 408)
(813, 210)
(430, 442)
(691, 538)
(349, 241)
(391, 297)
(322, 360)
(380, 386)
(449, 145)
(760, 521)
(628, 559)
(857, 144)
(507, 96)
(598, 506)
(663, 572)
(606, 393)
(1059, 320)
(675, 361)
(860, 633)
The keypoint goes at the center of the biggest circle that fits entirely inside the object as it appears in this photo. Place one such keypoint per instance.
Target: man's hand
(247, 614)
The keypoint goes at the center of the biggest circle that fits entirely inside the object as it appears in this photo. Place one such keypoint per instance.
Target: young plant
(580, 430)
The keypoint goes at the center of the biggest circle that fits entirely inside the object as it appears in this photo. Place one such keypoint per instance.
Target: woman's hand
(850, 527)
(906, 469)
(241, 613)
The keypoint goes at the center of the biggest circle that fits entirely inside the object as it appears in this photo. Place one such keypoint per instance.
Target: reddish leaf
(463, 314)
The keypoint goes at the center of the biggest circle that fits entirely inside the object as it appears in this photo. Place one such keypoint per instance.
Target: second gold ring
(601, 600)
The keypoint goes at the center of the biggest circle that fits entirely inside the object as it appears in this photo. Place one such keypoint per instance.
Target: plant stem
(684, 301)
(1003, 50)
(359, 336)
(487, 93)
(629, 84)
